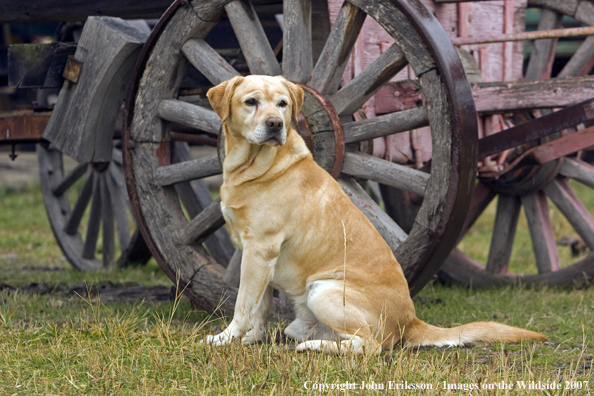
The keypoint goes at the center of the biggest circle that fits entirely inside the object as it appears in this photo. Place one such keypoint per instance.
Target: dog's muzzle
(275, 131)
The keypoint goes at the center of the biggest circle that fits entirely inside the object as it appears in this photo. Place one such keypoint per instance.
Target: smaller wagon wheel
(559, 190)
(551, 174)
(154, 106)
(546, 171)
(104, 191)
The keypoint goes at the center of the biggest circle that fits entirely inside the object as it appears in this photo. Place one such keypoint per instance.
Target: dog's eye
(282, 103)
(251, 102)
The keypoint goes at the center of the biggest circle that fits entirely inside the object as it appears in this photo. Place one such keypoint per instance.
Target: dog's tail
(420, 333)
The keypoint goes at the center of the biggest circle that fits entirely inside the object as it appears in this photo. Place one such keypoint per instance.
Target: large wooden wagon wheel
(181, 38)
(536, 178)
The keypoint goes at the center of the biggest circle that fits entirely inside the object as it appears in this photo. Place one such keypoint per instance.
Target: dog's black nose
(274, 124)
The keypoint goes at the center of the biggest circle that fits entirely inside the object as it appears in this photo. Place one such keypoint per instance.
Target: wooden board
(84, 117)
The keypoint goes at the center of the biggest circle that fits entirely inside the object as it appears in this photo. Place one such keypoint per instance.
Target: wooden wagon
(344, 114)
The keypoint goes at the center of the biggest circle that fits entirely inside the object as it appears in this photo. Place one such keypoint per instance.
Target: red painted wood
(541, 231)
(564, 146)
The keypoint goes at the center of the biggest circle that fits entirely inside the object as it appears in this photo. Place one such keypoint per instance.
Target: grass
(60, 343)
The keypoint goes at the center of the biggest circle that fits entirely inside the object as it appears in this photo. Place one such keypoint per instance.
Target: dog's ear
(220, 97)
(296, 94)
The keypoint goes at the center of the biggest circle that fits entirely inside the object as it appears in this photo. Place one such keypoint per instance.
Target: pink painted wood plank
(544, 244)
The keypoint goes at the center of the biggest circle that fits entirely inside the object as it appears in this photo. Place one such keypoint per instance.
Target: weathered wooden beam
(544, 245)
(580, 62)
(79, 10)
(543, 53)
(385, 172)
(457, 1)
(214, 67)
(252, 39)
(573, 209)
(504, 231)
(537, 128)
(578, 170)
(83, 120)
(524, 95)
(188, 171)
(383, 223)
(385, 125)
(189, 115)
(195, 196)
(297, 40)
(203, 225)
(38, 65)
(327, 72)
(354, 95)
(233, 273)
(564, 146)
(22, 126)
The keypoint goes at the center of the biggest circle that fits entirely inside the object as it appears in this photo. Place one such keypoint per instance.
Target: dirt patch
(106, 291)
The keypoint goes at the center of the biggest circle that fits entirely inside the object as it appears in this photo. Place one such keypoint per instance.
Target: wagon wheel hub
(524, 178)
(320, 127)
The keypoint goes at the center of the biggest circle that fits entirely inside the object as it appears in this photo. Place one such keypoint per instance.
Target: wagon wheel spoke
(573, 209)
(70, 179)
(189, 170)
(107, 220)
(385, 125)
(118, 197)
(578, 170)
(117, 158)
(208, 62)
(541, 231)
(92, 235)
(354, 95)
(297, 40)
(80, 206)
(504, 231)
(539, 65)
(385, 172)
(195, 196)
(190, 115)
(327, 73)
(388, 229)
(201, 226)
(233, 272)
(252, 39)
(576, 66)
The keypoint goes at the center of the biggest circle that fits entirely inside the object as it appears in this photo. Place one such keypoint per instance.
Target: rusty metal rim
(336, 126)
(129, 144)
(464, 144)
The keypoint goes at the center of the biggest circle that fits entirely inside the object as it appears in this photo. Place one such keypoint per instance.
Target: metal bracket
(73, 69)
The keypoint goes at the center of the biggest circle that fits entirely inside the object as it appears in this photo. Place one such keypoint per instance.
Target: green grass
(60, 343)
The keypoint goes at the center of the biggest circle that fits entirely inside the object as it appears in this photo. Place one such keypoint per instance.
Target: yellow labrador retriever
(300, 233)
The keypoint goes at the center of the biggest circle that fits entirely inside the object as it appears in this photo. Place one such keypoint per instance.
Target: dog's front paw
(253, 336)
(223, 338)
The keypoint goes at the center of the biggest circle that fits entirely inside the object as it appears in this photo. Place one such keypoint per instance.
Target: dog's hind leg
(331, 307)
(306, 326)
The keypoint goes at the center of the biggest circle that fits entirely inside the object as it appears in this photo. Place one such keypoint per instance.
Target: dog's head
(257, 108)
